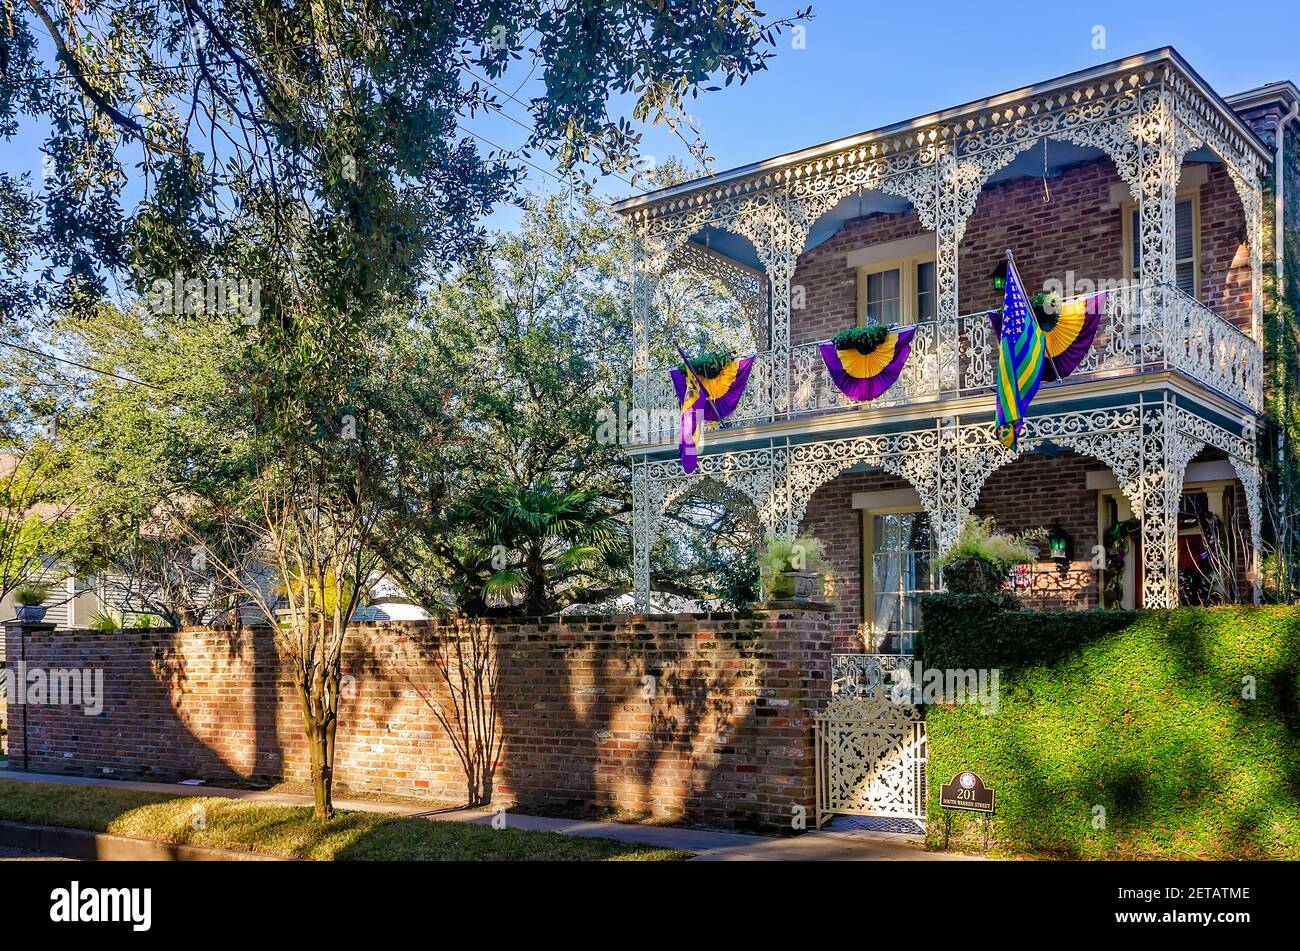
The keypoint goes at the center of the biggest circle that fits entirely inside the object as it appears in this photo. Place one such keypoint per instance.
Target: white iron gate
(870, 741)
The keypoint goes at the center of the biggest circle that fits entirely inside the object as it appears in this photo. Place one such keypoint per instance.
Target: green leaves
(862, 339)
(1122, 735)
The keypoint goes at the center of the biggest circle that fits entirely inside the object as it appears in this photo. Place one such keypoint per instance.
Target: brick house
(1134, 177)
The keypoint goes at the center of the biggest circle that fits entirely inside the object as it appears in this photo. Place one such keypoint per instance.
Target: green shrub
(981, 557)
(1124, 734)
(107, 619)
(32, 594)
(989, 630)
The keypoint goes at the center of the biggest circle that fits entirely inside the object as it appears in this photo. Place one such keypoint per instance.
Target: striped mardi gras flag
(864, 376)
(1069, 338)
(1021, 350)
(706, 399)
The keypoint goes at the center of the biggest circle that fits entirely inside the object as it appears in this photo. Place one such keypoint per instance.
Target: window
(1186, 244)
(884, 290)
(900, 553)
(926, 291)
(899, 291)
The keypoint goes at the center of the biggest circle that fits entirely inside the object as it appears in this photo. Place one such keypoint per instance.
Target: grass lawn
(291, 831)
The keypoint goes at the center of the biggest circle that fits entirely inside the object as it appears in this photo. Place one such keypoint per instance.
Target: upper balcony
(1143, 330)
(1134, 176)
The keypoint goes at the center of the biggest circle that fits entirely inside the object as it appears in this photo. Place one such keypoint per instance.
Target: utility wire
(81, 366)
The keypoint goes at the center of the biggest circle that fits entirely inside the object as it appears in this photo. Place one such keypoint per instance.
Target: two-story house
(1135, 178)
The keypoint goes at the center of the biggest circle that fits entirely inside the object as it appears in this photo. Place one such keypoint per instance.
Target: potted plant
(792, 568)
(981, 558)
(862, 339)
(709, 364)
(31, 602)
(1046, 308)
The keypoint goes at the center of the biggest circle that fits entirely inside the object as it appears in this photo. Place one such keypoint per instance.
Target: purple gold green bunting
(718, 400)
(864, 376)
(1069, 341)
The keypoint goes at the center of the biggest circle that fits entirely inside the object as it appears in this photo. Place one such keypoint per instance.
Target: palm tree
(534, 545)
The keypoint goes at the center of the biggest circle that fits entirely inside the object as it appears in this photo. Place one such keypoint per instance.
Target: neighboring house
(1134, 176)
(73, 603)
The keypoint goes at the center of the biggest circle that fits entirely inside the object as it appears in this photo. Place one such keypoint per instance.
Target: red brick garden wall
(703, 717)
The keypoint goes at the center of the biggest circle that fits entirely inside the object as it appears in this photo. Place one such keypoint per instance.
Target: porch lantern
(999, 277)
(1061, 546)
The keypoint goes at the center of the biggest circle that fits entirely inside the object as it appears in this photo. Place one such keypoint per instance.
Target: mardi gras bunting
(864, 376)
(708, 399)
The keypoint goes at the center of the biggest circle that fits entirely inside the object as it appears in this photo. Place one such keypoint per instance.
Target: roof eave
(1166, 54)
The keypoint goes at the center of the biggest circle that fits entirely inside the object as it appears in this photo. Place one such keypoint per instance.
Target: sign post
(966, 793)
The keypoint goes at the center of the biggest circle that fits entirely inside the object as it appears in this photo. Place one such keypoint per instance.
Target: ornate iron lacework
(1146, 120)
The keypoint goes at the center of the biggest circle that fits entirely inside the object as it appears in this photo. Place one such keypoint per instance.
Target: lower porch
(1154, 501)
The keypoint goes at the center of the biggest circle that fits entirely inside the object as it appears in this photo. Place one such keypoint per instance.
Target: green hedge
(982, 630)
(1141, 714)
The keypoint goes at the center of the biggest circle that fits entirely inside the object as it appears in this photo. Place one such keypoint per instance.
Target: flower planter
(31, 613)
(798, 585)
(973, 575)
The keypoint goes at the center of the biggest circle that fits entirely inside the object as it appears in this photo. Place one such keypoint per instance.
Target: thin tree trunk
(320, 748)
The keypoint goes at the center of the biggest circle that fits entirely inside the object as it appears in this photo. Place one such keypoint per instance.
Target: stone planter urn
(798, 585)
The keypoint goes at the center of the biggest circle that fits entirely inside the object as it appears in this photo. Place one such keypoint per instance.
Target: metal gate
(870, 742)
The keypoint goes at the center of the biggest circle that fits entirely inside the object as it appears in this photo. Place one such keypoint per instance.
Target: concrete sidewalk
(708, 845)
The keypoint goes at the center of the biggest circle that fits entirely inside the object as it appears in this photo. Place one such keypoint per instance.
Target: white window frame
(1129, 207)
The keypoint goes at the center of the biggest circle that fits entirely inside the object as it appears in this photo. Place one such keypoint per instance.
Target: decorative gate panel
(871, 744)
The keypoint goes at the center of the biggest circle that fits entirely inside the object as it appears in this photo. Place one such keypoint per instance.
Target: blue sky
(871, 64)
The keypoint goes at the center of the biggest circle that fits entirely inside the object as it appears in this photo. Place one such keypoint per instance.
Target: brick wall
(1080, 231)
(726, 738)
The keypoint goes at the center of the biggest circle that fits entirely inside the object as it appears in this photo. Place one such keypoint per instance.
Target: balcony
(1145, 329)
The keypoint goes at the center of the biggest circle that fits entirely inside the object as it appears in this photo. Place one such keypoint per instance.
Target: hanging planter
(864, 362)
(1069, 328)
(708, 365)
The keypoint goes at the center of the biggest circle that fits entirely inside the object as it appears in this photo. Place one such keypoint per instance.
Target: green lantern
(999, 277)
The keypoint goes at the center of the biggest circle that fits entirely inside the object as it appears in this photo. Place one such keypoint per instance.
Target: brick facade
(1059, 491)
(1033, 492)
(1080, 230)
(724, 738)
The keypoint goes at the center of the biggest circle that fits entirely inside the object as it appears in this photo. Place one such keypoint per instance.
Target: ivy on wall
(1280, 435)
(1118, 735)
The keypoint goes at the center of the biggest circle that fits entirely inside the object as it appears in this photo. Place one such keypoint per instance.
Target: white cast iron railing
(1133, 338)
